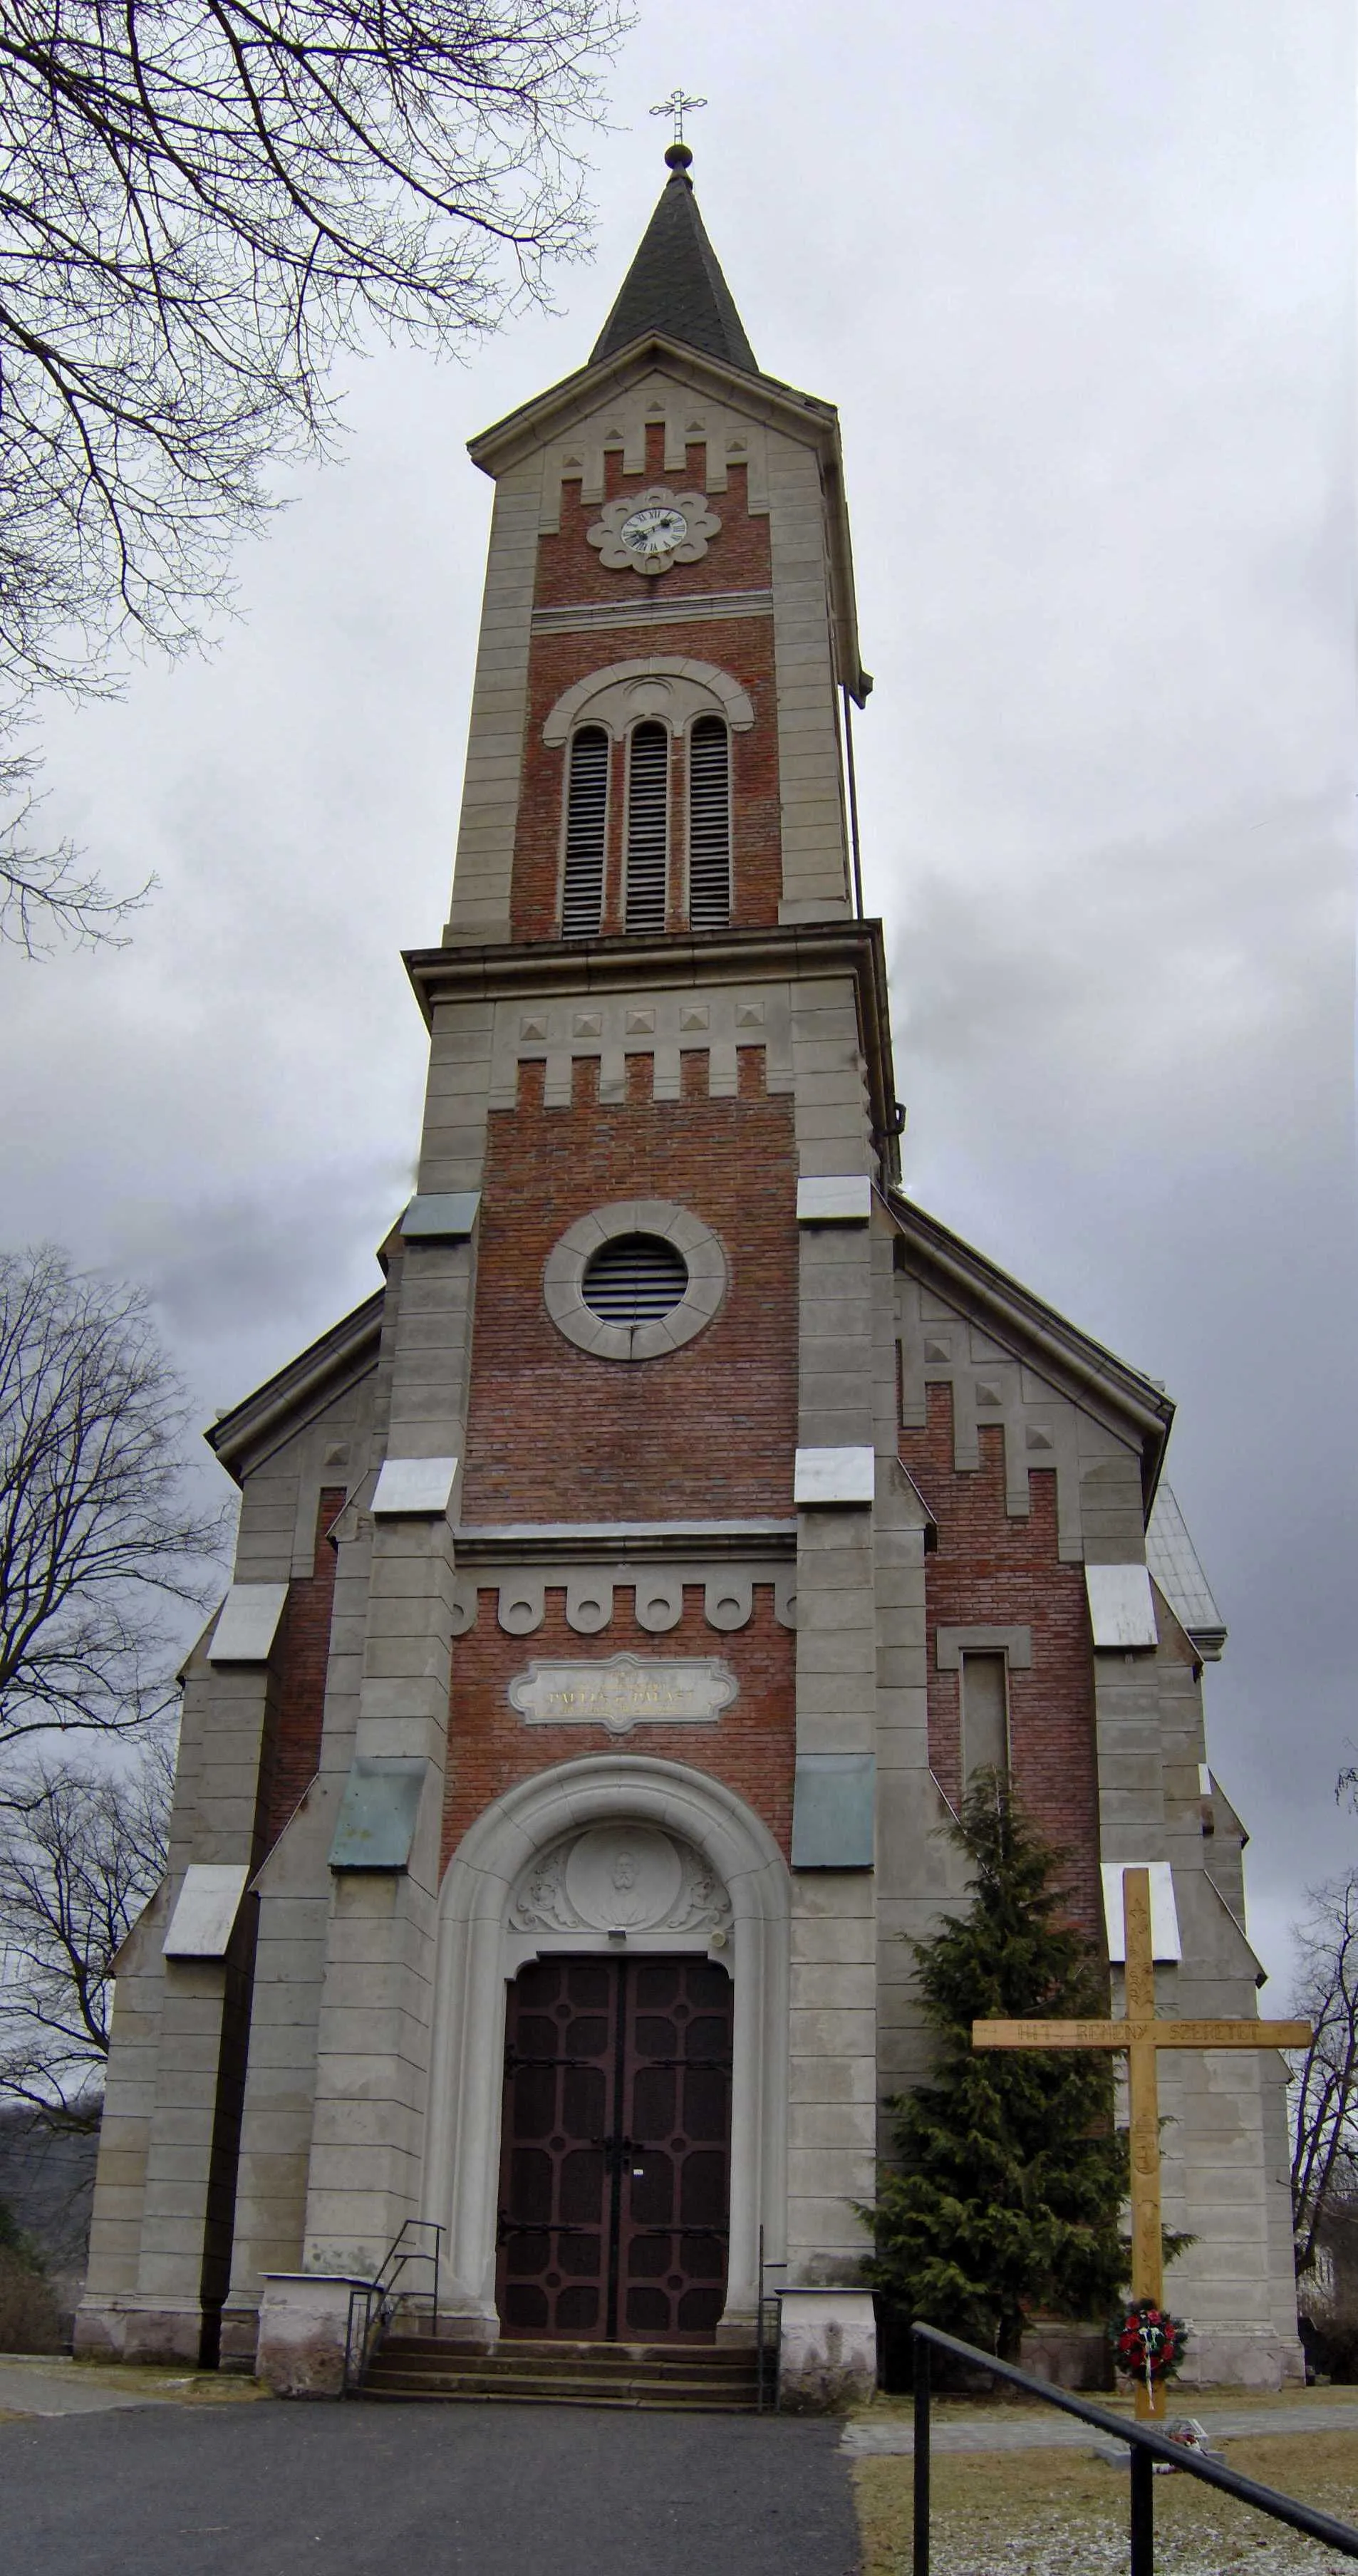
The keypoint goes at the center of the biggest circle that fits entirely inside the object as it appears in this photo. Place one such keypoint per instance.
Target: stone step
(686, 2377)
(459, 2387)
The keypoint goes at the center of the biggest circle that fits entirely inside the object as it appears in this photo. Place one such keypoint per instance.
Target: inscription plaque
(625, 1691)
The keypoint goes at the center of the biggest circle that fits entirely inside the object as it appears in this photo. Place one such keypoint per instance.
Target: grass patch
(1053, 2513)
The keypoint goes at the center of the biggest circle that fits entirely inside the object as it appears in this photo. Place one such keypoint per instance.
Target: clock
(650, 532)
(653, 533)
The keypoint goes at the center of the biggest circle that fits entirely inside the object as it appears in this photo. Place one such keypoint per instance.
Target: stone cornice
(791, 952)
(341, 1356)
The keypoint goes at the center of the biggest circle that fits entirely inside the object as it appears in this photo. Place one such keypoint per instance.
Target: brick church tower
(625, 1591)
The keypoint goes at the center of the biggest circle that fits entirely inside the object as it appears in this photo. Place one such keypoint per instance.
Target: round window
(634, 1280)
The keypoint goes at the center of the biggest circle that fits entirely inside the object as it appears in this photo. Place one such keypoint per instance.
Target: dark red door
(615, 2171)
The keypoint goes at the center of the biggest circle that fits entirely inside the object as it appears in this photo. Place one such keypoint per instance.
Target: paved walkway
(72, 2388)
(1001, 2430)
(269, 2489)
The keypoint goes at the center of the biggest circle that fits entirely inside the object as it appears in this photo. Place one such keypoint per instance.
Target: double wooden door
(615, 2170)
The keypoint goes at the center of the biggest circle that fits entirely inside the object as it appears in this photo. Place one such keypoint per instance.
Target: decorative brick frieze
(594, 1593)
(750, 1749)
(609, 1027)
(654, 427)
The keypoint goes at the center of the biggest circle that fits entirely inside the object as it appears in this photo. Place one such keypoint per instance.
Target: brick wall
(569, 571)
(994, 1571)
(705, 1433)
(293, 1753)
(741, 646)
(739, 558)
(751, 1747)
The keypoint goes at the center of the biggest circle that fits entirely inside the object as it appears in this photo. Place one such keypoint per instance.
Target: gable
(1061, 1402)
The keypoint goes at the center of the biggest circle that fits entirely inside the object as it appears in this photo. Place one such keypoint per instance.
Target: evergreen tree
(1011, 2176)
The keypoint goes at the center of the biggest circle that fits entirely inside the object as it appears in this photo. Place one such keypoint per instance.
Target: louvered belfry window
(648, 826)
(582, 891)
(709, 825)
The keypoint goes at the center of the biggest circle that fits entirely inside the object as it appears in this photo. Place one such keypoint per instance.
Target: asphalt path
(411, 2490)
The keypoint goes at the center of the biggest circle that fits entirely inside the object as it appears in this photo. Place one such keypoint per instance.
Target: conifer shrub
(1004, 2198)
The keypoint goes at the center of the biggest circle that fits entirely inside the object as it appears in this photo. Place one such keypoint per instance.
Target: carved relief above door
(621, 1877)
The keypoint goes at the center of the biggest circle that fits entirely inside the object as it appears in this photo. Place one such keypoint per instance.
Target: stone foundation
(303, 2331)
(827, 2351)
(1067, 2355)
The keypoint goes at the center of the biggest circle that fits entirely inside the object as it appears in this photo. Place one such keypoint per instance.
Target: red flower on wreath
(1148, 2343)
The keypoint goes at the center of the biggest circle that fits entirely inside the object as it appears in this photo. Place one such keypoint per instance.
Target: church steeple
(675, 284)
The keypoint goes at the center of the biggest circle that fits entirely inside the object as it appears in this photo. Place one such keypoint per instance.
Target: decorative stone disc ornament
(647, 532)
(625, 1691)
(621, 1877)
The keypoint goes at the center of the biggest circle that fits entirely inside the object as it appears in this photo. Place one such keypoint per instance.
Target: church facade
(625, 1592)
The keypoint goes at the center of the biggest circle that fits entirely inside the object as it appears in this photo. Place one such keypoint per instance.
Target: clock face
(652, 533)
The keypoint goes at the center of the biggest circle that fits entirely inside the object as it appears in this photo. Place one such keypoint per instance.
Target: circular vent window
(634, 1280)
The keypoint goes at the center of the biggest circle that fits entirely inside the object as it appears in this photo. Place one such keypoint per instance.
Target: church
(625, 1592)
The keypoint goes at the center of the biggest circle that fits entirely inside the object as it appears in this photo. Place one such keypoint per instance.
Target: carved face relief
(648, 532)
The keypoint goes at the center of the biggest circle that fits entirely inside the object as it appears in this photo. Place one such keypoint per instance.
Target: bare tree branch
(1325, 2088)
(202, 202)
(81, 1854)
(97, 1539)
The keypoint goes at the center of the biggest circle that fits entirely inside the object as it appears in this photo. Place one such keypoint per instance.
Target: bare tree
(81, 1854)
(99, 1544)
(201, 203)
(1325, 2088)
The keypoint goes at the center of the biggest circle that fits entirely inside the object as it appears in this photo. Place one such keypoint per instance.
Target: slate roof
(675, 284)
(1175, 1564)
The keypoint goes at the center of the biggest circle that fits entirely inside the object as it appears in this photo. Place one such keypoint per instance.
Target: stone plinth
(827, 2350)
(303, 2330)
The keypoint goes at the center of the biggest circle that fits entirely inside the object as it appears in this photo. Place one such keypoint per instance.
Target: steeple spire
(675, 284)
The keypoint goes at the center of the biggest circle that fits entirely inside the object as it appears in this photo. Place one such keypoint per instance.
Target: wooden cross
(1141, 2035)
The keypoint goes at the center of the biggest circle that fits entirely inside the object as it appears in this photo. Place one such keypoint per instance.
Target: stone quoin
(626, 1590)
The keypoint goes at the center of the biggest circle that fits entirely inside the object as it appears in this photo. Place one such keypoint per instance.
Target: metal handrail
(378, 2300)
(1146, 2448)
(766, 2343)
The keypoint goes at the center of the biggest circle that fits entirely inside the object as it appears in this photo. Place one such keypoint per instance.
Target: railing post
(923, 2377)
(1142, 2465)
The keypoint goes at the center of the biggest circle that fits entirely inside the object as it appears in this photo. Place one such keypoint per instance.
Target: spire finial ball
(678, 156)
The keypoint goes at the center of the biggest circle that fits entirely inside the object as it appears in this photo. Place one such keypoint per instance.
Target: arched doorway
(536, 1881)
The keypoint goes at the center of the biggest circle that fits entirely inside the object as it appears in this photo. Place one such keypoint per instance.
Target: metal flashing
(414, 1485)
(247, 1623)
(834, 1476)
(441, 1216)
(378, 1812)
(833, 1803)
(1165, 1942)
(205, 1911)
(844, 1199)
(1121, 1608)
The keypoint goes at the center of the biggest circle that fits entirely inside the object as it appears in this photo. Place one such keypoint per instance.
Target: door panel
(615, 2174)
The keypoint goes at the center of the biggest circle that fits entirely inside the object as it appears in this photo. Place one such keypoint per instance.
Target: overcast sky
(1079, 279)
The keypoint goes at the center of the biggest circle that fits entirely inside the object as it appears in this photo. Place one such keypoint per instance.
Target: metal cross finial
(678, 106)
